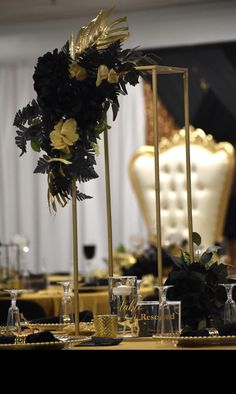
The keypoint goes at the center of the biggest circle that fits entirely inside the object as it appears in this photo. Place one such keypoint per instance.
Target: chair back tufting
(212, 169)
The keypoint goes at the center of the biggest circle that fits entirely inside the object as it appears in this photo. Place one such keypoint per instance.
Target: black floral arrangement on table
(75, 88)
(196, 285)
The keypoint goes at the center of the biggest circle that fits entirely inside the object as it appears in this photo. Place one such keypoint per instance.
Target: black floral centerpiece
(75, 87)
(196, 285)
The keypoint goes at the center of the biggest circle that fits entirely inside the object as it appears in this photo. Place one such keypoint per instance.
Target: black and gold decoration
(75, 87)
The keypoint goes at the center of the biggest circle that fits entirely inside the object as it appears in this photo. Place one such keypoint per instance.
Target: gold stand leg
(75, 256)
(108, 200)
(188, 166)
(157, 178)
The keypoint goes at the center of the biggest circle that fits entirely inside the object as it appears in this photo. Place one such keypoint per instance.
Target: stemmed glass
(66, 308)
(230, 306)
(13, 315)
(164, 324)
(89, 253)
(139, 282)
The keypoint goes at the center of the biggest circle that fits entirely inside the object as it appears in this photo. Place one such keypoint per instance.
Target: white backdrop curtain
(23, 195)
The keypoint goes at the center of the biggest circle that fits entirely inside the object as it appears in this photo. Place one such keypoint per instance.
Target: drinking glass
(123, 297)
(230, 306)
(66, 308)
(13, 315)
(164, 324)
(139, 282)
(147, 316)
(89, 253)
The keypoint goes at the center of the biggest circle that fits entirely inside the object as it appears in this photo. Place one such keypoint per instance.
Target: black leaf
(81, 196)
(27, 114)
(205, 257)
(43, 165)
(115, 109)
(21, 140)
(122, 84)
(196, 238)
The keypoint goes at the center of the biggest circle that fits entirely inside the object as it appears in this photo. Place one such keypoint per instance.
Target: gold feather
(61, 199)
(72, 46)
(100, 33)
(61, 160)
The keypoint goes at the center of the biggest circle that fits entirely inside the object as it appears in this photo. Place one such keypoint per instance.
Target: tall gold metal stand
(75, 255)
(154, 71)
(108, 202)
(188, 165)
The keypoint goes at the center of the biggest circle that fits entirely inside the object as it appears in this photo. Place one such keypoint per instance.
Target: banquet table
(50, 298)
(150, 344)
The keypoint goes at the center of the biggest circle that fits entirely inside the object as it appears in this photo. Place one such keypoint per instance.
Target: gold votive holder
(106, 326)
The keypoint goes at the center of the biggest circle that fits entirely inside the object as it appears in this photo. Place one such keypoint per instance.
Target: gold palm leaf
(52, 199)
(100, 33)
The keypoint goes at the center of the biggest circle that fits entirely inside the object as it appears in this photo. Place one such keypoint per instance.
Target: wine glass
(13, 315)
(164, 324)
(66, 308)
(89, 253)
(139, 282)
(230, 306)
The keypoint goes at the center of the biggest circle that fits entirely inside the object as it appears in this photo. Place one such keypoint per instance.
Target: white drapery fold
(23, 197)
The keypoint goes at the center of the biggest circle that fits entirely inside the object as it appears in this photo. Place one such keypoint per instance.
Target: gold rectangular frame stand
(154, 70)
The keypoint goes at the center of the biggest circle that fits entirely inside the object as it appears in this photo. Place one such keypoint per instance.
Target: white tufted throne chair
(212, 168)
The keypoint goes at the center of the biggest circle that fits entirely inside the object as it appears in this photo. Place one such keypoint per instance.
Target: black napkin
(7, 339)
(45, 336)
(101, 341)
(227, 329)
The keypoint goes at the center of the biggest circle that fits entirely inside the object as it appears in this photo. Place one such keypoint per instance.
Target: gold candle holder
(106, 326)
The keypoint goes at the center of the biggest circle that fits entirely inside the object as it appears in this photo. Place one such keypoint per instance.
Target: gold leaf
(109, 40)
(61, 160)
(60, 198)
(51, 203)
(62, 201)
(99, 32)
(118, 21)
(72, 46)
(119, 30)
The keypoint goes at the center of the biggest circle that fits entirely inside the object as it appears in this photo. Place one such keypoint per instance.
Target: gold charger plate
(199, 341)
(84, 328)
(135, 339)
(44, 345)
